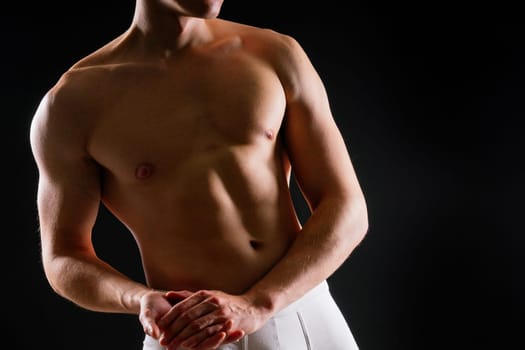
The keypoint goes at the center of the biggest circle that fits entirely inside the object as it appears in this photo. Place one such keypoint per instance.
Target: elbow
(56, 270)
(52, 273)
(357, 220)
(362, 218)
(361, 213)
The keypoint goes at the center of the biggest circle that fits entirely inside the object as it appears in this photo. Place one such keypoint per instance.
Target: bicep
(316, 148)
(68, 184)
(318, 155)
(66, 210)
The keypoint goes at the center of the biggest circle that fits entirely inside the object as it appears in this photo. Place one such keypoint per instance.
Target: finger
(212, 342)
(152, 330)
(234, 336)
(149, 325)
(192, 321)
(175, 297)
(180, 308)
(203, 326)
(208, 334)
(201, 329)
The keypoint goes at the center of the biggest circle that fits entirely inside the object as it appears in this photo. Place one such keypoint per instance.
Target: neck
(167, 29)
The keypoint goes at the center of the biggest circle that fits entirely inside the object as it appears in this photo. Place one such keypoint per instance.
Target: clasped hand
(202, 320)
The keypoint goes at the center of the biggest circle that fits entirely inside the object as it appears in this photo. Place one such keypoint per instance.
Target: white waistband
(309, 299)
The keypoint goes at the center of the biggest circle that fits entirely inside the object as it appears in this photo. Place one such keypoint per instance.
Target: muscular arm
(68, 200)
(328, 181)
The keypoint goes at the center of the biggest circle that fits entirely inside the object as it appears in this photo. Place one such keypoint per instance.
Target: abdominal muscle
(216, 222)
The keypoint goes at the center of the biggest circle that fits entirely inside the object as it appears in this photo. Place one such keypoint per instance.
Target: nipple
(269, 134)
(143, 171)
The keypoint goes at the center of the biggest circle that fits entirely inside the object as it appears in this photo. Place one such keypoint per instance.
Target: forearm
(332, 232)
(93, 284)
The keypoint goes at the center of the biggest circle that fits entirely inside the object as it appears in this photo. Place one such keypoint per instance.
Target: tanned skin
(186, 127)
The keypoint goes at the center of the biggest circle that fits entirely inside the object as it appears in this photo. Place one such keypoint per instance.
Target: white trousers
(313, 322)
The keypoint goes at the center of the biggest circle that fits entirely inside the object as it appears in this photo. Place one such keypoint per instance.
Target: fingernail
(188, 344)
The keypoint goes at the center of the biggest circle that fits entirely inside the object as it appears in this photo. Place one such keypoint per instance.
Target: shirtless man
(186, 127)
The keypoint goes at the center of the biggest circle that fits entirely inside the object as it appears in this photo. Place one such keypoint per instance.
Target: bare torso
(192, 162)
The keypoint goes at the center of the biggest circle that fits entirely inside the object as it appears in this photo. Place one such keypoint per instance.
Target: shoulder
(265, 40)
(66, 113)
(70, 97)
(281, 51)
(80, 90)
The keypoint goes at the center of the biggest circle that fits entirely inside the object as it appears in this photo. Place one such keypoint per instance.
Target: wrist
(264, 302)
(132, 300)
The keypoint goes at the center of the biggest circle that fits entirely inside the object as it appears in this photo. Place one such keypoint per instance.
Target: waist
(309, 299)
(231, 264)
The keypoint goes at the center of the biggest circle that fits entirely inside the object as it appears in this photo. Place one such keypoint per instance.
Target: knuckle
(214, 300)
(222, 313)
(210, 331)
(186, 317)
(203, 293)
(195, 326)
(147, 312)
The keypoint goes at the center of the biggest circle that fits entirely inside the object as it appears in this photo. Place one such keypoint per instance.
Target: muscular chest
(164, 116)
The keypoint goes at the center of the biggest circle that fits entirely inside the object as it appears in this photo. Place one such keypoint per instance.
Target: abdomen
(222, 222)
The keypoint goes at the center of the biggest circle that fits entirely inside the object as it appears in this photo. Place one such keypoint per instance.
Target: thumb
(150, 327)
(234, 336)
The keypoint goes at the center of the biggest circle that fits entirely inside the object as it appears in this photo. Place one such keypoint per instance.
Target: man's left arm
(326, 176)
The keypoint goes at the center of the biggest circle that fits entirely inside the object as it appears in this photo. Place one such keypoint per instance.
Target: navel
(144, 170)
(256, 245)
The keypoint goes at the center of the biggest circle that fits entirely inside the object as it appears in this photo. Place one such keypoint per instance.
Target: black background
(427, 96)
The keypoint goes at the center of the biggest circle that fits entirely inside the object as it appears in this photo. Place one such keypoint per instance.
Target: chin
(202, 8)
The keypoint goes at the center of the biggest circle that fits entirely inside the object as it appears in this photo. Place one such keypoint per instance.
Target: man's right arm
(68, 199)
